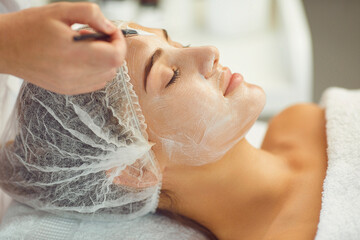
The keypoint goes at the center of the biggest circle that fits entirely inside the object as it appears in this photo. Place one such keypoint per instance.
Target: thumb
(86, 13)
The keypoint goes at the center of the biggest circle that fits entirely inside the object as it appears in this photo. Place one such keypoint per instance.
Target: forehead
(142, 45)
(159, 32)
(140, 49)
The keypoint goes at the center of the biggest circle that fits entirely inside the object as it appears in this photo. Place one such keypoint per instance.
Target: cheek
(247, 102)
(187, 110)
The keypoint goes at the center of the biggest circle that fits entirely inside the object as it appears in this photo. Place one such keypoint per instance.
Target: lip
(231, 81)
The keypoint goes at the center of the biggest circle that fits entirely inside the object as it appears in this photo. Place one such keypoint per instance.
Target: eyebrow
(155, 56)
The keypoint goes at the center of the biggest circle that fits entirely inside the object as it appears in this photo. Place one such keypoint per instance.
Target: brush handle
(103, 36)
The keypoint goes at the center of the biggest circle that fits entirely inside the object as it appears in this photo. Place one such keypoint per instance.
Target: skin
(269, 193)
(37, 45)
(197, 97)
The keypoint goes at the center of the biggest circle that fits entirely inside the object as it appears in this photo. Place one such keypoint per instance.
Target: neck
(239, 195)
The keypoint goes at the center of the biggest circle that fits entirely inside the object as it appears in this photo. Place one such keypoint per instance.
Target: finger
(100, 54)
(91, 83)
(119, 43)
(85, 31)
(86, 13)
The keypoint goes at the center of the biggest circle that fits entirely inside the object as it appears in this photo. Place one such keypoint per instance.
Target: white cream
(191, 122)
(141, 32)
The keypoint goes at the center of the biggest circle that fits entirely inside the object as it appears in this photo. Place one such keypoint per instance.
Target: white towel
(340, 211)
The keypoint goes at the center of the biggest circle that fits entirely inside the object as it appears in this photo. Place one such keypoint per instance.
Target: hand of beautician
(37, 45)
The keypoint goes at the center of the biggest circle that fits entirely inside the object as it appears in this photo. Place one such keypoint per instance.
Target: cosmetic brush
(129, 32)
(103, 36)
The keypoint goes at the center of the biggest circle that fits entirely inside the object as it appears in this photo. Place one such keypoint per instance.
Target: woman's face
(195, 109)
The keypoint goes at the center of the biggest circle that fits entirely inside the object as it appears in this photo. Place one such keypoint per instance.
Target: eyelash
(174, 77)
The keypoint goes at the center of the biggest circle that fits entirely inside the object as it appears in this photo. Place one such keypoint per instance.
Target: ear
(133, 176)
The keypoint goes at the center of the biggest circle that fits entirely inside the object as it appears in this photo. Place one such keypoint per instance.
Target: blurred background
(294, 49)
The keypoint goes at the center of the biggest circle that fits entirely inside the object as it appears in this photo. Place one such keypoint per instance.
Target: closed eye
(174, 77)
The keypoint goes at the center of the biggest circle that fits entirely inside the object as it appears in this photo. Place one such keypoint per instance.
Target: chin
(257, 91)
(257, 100)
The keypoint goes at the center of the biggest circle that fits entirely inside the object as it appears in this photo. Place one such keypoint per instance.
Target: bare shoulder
(299, 129)
(298, 134)
(303, 108)
(304, 115)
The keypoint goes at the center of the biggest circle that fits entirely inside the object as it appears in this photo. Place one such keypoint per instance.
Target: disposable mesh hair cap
(82, 155)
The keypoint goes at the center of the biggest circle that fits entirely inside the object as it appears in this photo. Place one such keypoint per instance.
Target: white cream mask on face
(191, 122)
(141, 32)
(125, 25)
(204, 128)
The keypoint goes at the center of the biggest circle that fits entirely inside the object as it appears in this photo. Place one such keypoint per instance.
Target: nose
(207, 59)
